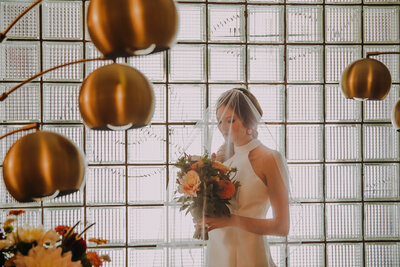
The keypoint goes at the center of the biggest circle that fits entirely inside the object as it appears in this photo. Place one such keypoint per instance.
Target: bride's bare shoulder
(264, 162)
(264, 153)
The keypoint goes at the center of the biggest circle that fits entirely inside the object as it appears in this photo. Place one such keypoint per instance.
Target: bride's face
(230, 125)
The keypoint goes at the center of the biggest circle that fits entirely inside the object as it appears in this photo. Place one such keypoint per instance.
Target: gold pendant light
(116, 97)
(120, 28)
(366, 79)
(43, 164)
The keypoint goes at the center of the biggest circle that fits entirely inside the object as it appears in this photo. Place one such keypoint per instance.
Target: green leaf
(185, 206)
(181, 199)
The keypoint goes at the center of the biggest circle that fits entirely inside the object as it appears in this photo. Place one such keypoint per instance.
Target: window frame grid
(84, 40)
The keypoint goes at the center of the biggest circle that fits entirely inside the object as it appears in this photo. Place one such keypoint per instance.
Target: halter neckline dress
(232, 246)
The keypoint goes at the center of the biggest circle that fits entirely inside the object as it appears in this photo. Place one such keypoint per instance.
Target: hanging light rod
(369, 54)
(3, 35)
(5, 94)
(25, 128)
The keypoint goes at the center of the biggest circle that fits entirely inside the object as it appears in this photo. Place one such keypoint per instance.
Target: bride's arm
(279, 224)
(278, 194)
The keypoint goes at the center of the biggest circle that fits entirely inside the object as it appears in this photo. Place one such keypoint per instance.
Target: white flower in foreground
(28, 234)
(46, 257)
(50, 237)
(6, 243)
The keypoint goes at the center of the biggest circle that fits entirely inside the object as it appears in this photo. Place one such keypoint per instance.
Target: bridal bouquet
(33, 247)
(207, 187)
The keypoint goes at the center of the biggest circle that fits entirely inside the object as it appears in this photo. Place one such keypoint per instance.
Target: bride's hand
(212, 223)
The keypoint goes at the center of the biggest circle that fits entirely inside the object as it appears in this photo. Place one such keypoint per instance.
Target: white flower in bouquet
(195, 158)
(46, 257)
(190, 183)
(204, 178)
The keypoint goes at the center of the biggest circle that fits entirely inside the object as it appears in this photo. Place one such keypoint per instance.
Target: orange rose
(228, 189)
(193, 166)
(219, 166)
(190, 183)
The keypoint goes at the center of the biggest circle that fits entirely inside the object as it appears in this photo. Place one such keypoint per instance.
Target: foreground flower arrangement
(33, 247)
(207, 188)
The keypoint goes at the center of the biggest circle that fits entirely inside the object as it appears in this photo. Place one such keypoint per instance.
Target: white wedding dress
(232, 246)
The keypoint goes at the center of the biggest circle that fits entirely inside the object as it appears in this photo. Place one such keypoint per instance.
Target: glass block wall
(343, 155)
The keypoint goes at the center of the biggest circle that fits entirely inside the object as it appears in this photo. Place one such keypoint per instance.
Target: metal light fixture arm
(25, 128)
(369, 54)
(5, 94)
(3, 35)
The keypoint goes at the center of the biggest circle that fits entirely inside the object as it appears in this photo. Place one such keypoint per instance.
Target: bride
(237, 240)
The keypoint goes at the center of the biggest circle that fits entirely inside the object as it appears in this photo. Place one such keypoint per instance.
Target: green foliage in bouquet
(206, 185)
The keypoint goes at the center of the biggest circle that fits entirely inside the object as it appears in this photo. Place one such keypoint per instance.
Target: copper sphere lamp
(396, 116)
(116, 97)
(121, 28)
(366, 79)
(43, 165)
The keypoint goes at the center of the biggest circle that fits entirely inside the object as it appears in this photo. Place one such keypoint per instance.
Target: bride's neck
(243, 141)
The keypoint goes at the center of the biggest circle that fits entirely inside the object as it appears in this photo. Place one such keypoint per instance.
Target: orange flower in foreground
(16, 212)
(228, 189)
(98, 241)
(9, 221)
(94, 259)
(221, 167)
(62, 229)
(10, 262)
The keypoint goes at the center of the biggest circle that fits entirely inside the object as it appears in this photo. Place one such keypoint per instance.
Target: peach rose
(190, 183)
